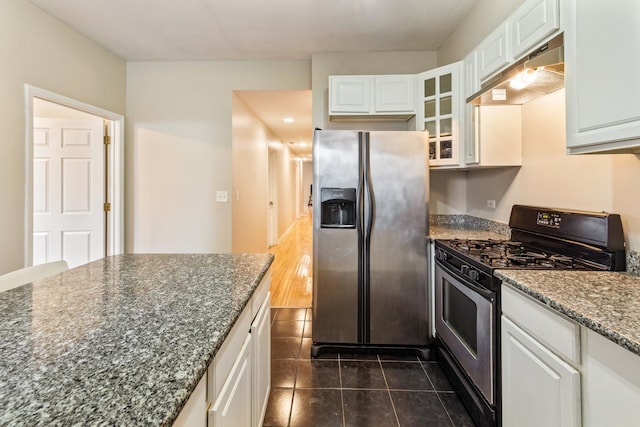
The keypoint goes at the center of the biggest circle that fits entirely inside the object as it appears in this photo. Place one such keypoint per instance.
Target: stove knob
(464, 269)
(441, 255)
(474, 275)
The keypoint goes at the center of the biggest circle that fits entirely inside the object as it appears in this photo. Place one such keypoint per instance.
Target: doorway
(74, 174)
(272, 227)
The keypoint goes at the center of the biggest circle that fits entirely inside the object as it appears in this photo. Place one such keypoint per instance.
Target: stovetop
(514, 254)
(543, 239)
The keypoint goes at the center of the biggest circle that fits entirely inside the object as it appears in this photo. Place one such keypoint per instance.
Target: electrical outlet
(491, 204)
(222, 196)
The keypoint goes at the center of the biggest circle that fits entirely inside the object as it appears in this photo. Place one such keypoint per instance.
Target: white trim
(116, 172)
(287, 232)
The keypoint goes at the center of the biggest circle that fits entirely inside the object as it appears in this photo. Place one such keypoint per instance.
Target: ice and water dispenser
(338, 208)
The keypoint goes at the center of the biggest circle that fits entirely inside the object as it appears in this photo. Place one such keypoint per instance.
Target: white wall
(39, 50)
(447, 192)
(286, 182)
(250, 183)
(550, 177)
(251, 138)
(481, 20)
(307, 180)
(179, 148)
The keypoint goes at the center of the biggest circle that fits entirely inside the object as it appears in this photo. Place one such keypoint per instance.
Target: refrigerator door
(396, 238)
(336, 290)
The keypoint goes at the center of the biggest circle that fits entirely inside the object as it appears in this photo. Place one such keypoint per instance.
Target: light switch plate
(222, 196)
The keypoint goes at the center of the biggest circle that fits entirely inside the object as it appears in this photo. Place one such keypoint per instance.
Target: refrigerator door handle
(363, 270)
(366, 248)
(361, 189)
(371, 207)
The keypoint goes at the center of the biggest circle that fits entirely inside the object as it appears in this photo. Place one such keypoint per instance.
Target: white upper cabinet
(389, 96)
(471, 86)
(602, 41)
(349, 94)
(439, 112)
(494, 53)
(492, 135)
(394, 94)
(531, 23)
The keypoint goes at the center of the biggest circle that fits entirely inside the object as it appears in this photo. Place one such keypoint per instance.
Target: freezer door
(336, 292)
(397, 239)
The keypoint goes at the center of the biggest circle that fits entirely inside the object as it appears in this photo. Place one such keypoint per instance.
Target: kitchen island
(120, 341)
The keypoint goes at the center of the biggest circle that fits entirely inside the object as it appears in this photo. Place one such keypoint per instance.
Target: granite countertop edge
(579, 317)
(113, 324)
(202, 369)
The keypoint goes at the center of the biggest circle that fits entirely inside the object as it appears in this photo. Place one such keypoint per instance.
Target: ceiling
(210, 30)
(274, 106)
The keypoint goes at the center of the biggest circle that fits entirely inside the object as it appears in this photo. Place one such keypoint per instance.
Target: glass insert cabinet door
(439, 113)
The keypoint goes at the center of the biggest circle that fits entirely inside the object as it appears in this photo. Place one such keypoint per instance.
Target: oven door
(465, 324)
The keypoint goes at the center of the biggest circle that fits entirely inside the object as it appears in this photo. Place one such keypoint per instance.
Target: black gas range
(467, 293)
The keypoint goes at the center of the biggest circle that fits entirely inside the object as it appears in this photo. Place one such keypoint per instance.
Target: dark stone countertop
(605, 302)
(466, 227)
(120, 341)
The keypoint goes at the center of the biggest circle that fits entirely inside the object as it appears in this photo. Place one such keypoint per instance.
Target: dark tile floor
(349, 389)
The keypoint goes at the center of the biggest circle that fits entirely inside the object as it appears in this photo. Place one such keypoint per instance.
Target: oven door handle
(485, 293)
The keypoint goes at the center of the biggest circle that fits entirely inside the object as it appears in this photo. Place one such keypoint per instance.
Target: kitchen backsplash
(633, 263)
(470, 222)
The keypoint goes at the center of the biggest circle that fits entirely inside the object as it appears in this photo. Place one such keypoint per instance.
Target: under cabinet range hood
(536, 74)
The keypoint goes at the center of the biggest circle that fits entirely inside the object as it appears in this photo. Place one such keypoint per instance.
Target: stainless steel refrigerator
(370, 228)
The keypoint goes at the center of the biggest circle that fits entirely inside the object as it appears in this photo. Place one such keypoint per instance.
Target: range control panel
(548, 219)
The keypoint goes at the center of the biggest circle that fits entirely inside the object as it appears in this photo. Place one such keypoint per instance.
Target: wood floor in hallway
(292, 270)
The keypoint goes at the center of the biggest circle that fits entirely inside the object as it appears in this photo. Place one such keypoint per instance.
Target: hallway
(341, 389)
(292, 269)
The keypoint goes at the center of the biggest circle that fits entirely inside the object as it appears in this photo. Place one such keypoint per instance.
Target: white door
(68, 190)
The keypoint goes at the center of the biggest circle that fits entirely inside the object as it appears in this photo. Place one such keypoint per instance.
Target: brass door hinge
(107, 207)
(107, 140)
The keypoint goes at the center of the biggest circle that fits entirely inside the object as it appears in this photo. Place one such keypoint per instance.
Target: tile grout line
(395, 413)
(437, 394)
(295, 380)
(344, 422)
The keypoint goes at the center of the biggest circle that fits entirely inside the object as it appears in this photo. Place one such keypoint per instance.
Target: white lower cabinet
(558, 373)
(541, 380)
(235, 389)
(231, 407)
(261, 333)
(611, 383)
(194, 412)
(538, 388)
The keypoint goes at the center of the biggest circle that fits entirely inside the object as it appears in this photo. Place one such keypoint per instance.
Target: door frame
(115, 170)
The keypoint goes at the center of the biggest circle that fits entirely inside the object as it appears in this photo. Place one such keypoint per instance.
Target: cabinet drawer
(219, 370)
(260, 295)
(555, 331)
